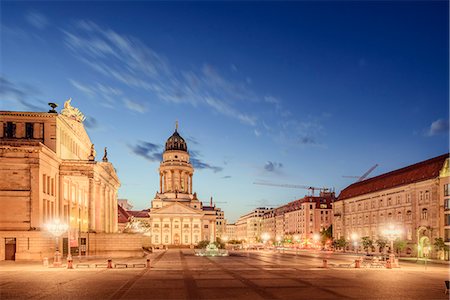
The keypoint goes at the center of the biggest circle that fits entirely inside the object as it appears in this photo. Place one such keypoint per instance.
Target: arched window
(424, 215)
(408, 215)
(399, 216)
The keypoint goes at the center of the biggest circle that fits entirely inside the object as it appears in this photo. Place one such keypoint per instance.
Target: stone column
(35, 206)
(91, 206)
(106, 209)
(160, 182)
(115, 225)
(190, 183)
(172, 180)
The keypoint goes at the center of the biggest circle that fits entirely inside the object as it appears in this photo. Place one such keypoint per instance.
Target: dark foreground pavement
(178, 274)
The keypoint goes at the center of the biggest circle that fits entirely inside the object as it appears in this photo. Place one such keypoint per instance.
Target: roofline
(390, 173)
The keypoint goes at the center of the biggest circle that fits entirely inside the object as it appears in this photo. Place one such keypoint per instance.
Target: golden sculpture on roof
(72, 112)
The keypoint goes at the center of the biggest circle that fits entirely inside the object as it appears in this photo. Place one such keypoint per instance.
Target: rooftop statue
(72, 112)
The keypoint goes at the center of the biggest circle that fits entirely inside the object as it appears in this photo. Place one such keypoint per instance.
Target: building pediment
(177, 209)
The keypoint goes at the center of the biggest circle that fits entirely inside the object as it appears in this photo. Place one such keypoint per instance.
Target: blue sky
(291, 92)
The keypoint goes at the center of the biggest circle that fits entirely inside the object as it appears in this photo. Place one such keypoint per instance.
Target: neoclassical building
(177, 216)
(413, 199)
(48, 172)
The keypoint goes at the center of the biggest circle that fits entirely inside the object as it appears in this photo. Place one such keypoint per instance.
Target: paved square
(179, 274)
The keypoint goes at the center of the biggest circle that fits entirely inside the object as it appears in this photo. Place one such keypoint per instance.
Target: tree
(399, 245)
(341, 243)
(440, 245)
(326, 235)
(219, 244)
(202, 244)
(382, 242)
(367, 243)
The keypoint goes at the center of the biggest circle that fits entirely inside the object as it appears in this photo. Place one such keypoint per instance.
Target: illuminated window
(166, 239)
(185, 225)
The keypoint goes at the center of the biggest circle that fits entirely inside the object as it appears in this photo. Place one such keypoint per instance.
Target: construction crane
(364, 176)
(312, 189)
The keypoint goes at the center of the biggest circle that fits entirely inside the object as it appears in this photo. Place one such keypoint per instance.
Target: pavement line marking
(124, 288)
(256, 288)
(189, 281)
(341, 296)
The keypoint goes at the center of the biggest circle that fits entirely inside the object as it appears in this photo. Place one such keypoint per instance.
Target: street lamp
(57, 229)
(392, 233)
(316, 238)
(297, 240)
(354, 238)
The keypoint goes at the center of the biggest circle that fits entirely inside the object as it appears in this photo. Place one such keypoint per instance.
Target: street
(179, 274)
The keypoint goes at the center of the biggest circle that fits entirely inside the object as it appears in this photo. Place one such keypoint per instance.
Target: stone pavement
(178, 274)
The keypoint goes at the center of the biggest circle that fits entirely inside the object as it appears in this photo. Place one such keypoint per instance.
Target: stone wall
(116, 245)
(35, 245)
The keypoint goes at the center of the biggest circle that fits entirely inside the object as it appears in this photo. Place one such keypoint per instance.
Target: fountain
(211, 250)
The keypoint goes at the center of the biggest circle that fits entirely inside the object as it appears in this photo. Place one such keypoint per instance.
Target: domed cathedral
(177, 217)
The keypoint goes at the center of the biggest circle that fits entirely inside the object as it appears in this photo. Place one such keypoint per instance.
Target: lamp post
(297, 240)
(354, 238)
(57, 229)
(265, 237)
(392, 233)
(316, 238)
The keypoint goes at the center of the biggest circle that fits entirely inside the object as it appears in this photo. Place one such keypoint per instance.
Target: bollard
(148, 263)
(109, 264)
(45, 262)
(69, 263)
(357, 263)
(388, 264)
(325, 264)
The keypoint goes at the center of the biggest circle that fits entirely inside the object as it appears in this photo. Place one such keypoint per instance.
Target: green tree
(326, 235)
(399, 245)
(219, 243)
(381, 243)
(367, 243)
(440, 245)
(341, 243)
(202, 244)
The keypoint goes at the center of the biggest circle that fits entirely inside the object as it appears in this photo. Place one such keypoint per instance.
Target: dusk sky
(293, 92)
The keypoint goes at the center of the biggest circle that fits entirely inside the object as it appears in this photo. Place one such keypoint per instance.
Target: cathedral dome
(176, 142)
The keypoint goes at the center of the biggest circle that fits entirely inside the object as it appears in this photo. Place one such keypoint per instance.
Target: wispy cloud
(106, 95)
(91, 123)
(192, 140)
(226, 177)
(273, 167)
(135, 106)
(147, 150)
(22, 94)
(132, 63)
(153, 152)
(440, 126)
(37, 20)
(197, 163)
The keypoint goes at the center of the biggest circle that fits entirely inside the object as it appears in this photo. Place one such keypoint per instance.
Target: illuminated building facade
(412, 199)
(177, 216)
(48, 172)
